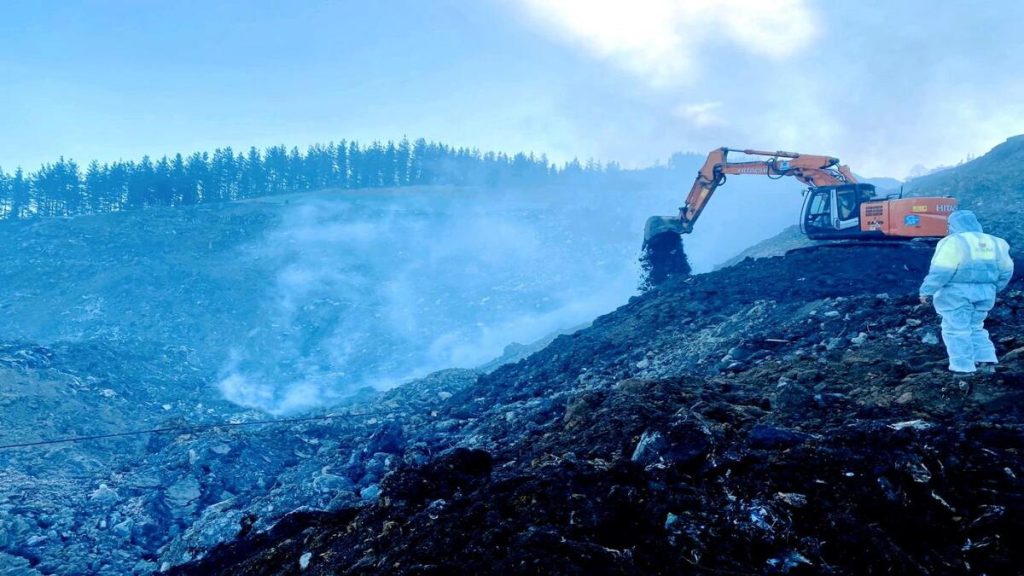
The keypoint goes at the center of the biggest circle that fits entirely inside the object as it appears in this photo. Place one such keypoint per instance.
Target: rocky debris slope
(990, 185)
(133, 504)
(790, 415)
(84, 508)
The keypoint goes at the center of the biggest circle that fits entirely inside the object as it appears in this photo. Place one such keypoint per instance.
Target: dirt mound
(661, 258)
(790, 415)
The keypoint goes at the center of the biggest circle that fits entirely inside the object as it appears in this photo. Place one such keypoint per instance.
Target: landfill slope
(990, 185)
(784, 415)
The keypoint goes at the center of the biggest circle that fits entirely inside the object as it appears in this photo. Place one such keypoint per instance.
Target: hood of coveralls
(964, 221)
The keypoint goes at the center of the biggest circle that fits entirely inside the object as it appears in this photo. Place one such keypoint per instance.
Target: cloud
(665, 41)
(702, 115)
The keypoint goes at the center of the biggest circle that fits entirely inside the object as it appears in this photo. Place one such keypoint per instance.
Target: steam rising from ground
(374, 290)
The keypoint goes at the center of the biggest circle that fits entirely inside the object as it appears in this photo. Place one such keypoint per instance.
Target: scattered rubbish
(917, 424)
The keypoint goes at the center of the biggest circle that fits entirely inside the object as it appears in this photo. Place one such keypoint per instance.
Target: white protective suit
(968, 269)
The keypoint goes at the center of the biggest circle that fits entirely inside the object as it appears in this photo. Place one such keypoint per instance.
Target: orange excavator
(836, 206)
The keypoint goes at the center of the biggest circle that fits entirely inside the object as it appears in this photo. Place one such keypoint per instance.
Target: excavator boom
(807, 168)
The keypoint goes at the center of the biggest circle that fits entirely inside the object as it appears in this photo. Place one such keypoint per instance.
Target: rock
(326, 482)
(648, 450)
(1014, 355)
(792, 499)
(790, 396)
(387, 438)
(183, 493)
(771, 438)
(16, 566)
(685, 442)
(144, 567)
(124, 529)
(104, 495)
(371, 492)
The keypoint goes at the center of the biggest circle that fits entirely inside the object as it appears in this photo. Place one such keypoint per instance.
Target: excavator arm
(807, 168)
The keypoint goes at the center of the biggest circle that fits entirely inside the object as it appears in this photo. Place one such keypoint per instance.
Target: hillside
(991, 185)
(337, 290)
(779, 416)
(731, 421)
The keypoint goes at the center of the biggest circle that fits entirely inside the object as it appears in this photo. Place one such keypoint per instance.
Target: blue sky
(884, 87)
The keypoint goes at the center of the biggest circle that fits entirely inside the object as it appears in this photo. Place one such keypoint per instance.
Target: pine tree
(357, 166)
(341, 162)
(197, 170)
(5, 195)
(95, 188)
(179, 180)
(21, 195)
(255, 182)
(296, 180)
(163, 183)
(276, 169)
(404, 162)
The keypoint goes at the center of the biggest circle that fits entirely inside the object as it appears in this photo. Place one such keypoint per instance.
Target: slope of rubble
(990, 185)
(786, 415)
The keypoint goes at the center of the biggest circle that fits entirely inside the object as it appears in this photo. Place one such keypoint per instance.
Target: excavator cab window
(834, 211)
(818, 208)
(849, 201)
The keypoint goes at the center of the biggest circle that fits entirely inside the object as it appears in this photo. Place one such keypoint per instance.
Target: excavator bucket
(662, 225)
(662, 255)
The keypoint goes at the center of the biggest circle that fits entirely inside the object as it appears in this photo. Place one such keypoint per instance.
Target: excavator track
(896, 244)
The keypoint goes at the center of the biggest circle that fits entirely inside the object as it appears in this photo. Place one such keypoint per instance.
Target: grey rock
(16, 566)
(104, 495)
(183, 493)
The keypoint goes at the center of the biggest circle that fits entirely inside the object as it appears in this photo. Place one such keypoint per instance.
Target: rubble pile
(787, 415)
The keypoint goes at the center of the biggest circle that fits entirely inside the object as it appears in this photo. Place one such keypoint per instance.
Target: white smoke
(376, 289)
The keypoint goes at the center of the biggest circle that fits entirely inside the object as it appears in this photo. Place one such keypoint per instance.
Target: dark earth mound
(789, 415)
(662, 257)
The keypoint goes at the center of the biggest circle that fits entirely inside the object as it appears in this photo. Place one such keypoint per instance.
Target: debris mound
(661, 258)
(790, 415)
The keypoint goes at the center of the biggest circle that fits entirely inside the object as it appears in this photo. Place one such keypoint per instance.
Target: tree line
(63, 188)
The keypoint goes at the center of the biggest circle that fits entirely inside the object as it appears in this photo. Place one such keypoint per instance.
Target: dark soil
(781, 416)
(661, 258)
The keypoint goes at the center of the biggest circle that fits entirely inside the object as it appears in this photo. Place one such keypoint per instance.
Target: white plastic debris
(912, 424)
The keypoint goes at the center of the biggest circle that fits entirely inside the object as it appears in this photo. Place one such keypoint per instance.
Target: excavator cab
(833, 211)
